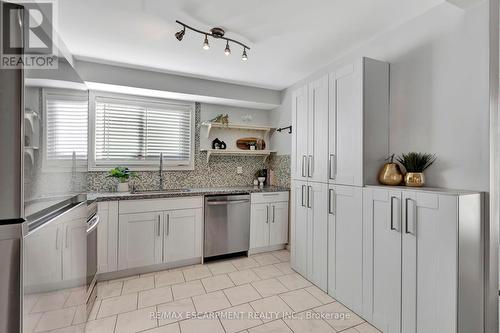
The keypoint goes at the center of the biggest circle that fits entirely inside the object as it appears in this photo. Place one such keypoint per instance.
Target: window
(133, 131)
(66, 122)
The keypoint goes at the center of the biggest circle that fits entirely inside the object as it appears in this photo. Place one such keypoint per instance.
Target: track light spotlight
(227, 51)
(180, 34)
(244, 57)
(206, 45)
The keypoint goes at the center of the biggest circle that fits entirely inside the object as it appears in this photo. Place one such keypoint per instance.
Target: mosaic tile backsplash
(220, 171)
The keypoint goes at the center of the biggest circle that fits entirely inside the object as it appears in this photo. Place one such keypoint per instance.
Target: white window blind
(66, 128)
(135, 132)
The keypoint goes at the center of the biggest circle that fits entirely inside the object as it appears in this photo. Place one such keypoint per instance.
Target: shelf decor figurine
(123, 174)
(415, 165)
(390, 173)
(220, 119)
(261, 176)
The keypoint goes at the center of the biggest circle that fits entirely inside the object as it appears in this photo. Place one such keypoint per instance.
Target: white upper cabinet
(358, 139)
(299, 134)
(317, 170)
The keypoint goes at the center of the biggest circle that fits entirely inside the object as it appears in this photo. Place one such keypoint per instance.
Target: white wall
(439, 92)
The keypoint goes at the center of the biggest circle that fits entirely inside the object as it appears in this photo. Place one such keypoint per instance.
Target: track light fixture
(216, 33)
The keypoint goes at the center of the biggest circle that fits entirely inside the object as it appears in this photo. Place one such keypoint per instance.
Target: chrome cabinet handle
(304, 165)
(267, 213)
(273, 214)
(57, 238)
(309, 197)
(66, 238)
(158, 226)
(168, 224)
(392, 213)
(331, 196)
(333, 169)
(302, 198)
(310, 166)
(407, 231)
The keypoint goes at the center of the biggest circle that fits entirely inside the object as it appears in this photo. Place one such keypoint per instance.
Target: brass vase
(390, 174)
(415, 179)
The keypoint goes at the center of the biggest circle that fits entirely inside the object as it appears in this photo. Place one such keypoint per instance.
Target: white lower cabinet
(345, 245)
(309, 231)
(423, 267)
(268, 220)
(140, 239)
(182, 234)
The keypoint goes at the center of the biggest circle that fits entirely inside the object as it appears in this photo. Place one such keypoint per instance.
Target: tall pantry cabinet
(340, 138)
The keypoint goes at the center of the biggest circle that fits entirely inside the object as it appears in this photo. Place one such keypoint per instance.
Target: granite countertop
(189, 192)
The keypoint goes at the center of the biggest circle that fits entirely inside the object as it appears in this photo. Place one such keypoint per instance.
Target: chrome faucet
(161, 171)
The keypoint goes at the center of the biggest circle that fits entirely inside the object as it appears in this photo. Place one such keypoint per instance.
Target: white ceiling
(289, 39)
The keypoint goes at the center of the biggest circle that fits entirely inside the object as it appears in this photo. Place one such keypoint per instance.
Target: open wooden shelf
(235, 127)
(240, 152)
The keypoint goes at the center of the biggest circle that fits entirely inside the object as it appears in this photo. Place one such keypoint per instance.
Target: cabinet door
(259, 225)
(298, 250)
(430, 243)
(347, 107)
(317, 162)
(348, 280)
(278, 230)
(382, 258)
(74, 246)
(317, 249)
(182, 231)
(102, 237)
(140, 239)
(299, 134)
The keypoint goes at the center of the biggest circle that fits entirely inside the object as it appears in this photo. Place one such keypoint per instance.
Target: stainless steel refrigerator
(43, 208)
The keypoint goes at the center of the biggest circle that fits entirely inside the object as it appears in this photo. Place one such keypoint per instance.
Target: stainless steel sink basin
(173, 190)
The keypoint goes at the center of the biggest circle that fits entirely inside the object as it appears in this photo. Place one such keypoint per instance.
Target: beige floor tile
(135, 285)
(267, 272)
(169, 278)
(244, 263)
(80, 315)
(217, 282)
(320, 295)
(243, 277)
(350, 330)
(29, 302)
(104, 325)
(76, 297)
(114, 305)
(277, 326)
(175, 311)
(172, 328)
(30, 321)
(51, 301)
(241, 294)
(366, 328)
(271, 308)
(300, 300)
(71, 329)
(188, 289)
(265, 259)
(109, 290)
(155, 296)
(294, 281)
(135, 321)
(307, 322)
(201, 325)
(283, 255)
(338, 316)
(126, 278)
(239, 318)
(211, 302)
(55, 319)
(94, 310)
(284, 268)
(223, 267)
(269, 287)
(196, 273)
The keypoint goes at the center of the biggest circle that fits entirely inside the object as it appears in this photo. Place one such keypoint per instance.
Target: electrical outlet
(239, 170)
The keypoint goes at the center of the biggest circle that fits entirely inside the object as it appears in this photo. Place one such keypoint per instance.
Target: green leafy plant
(260, 173)
(123, 174)
(416, 162)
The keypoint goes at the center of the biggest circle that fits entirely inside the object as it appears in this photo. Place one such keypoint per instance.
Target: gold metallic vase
(415, 179)
(390, 174)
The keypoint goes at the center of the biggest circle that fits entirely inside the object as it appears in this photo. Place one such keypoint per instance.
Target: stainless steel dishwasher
(227, 224)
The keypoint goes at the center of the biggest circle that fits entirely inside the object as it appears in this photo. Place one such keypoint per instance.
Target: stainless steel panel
(227, 224)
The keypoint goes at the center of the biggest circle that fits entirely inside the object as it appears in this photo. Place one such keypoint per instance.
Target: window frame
(93, 165)
(62, 165)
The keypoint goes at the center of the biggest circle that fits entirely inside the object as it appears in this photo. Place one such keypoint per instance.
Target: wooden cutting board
(244, 143)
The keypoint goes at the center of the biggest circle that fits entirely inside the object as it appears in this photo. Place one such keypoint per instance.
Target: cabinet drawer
(269, 197)
(155, 205)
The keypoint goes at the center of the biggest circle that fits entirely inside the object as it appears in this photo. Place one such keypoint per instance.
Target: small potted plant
(123, 175)
(415, 165)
